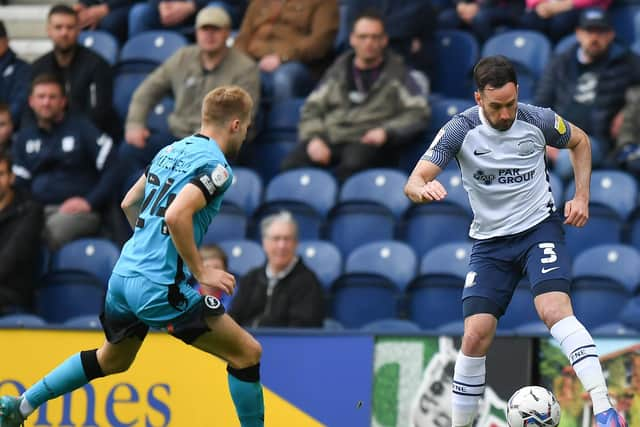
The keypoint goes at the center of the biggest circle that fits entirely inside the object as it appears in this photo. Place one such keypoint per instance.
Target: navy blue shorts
(497, 265)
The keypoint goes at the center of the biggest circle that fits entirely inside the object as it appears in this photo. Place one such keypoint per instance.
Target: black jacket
(21, 225)
(297, 300)
(557, 88)
(15, 76)
(89, 85)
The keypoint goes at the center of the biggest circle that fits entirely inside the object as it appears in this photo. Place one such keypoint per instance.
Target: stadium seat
(557, 188)
(124, 84)
(372, 284)
(613, 197)
(533, 329)
(157, 121)
(455, 328)
(430, 225)
(246, 190)
(21, 320)
(615, 329)
(83, 322)
(521, 309)
(58, 301)
(101, 42)
(564, 44)
(625, 21)
(152, 47)
(383, 186)
(434, 296)
(243, 255)
(88, 259)
(528, 50)
(604, 279)
(266, 157)
(231, 223)
(308, 193)
(394, 326)
(456, 53)
(330, 324)
(323, 258)
(630, 315)
(282, 121)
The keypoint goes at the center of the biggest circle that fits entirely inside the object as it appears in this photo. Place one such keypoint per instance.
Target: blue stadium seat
(603, 281)
(83, 322)
(152, 47)
(22, 320)
(323, 258)
(282, 121)
(383, 186)
(557, 188)
(124, 84)
(533, 329)
(101, 42)
(613, 197)
(454, 328)
(308, 193)
(246, 190)
(564, 44)
(58, 301)
(521, 309)
(243, 255)
(434, 296)
(394, 326)
(630, 315)
(157, 121)
(375, 277)
(615, 189)
(615, 329)
(88, 259)
(456, 53)
(231, 223)
(330, 324)
(528, 50)
(442, 110)
(625, 21)
(430, 225)
(266, 157)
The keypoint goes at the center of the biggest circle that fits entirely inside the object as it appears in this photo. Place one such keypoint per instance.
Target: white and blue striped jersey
(503, 172)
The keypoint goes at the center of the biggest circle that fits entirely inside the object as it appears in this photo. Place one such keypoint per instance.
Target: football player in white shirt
(499, 145)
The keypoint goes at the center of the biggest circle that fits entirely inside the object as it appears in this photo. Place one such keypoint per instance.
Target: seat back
(311, 186)
(456, 53)
(153, 47)
(93, 257)
(391, 259)
(246, 190)
(323, 258)
(616, 262)
(379, 185)
(243, 255)
(615, 189)
(101, 42)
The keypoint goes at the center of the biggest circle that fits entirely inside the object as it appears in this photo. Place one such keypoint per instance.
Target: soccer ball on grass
(533, 406)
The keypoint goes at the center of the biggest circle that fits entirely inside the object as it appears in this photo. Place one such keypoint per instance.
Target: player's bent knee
(553, 307)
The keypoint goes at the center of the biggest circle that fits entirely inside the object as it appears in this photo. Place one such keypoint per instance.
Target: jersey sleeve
(212, 180)
(555, 129)
(446, 143)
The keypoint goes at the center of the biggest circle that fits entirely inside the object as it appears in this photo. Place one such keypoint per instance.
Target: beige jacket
(182, 76)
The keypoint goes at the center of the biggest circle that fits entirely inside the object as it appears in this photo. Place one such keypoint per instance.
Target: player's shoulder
(534, 114)
(461, 123)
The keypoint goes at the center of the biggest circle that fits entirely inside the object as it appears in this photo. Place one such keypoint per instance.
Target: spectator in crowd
(64, 160)
(557, 18)
(284, 292)
(20, 228)
(587, 84)
(292, 40)
(628, 142)
(15, 75)
(107, 15)
(481, 16)
(87, 77)
(6, 127)
(365, 107)
(177, 14)
(410, 26)
(188, 75)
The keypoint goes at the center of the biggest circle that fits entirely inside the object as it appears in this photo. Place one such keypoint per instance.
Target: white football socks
(468, 387)
(578, 346)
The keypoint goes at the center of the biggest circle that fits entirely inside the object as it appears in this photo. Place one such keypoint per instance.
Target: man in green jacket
(187, 76)
(367, 104)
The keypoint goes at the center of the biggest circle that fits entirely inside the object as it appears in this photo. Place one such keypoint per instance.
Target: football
(533, 406)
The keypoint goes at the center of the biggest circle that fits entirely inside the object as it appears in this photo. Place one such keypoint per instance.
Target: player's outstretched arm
(179, 220)
(422, 187)
(576, 210)
(131, 202)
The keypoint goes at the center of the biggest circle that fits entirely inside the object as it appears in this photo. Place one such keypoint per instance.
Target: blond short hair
(225, 103)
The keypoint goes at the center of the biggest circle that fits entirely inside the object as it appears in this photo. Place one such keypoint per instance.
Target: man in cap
(586, 84)
(186, 76)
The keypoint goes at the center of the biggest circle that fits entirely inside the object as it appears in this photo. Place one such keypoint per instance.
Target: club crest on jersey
(219, 176)
(560, 125)
(526, 147)
(485, 179)
(212, 302)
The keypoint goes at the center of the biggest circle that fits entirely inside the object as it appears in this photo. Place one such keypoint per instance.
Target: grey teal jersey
(503, 172)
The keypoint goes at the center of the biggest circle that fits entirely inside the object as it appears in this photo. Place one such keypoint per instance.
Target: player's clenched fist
(427, 192)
